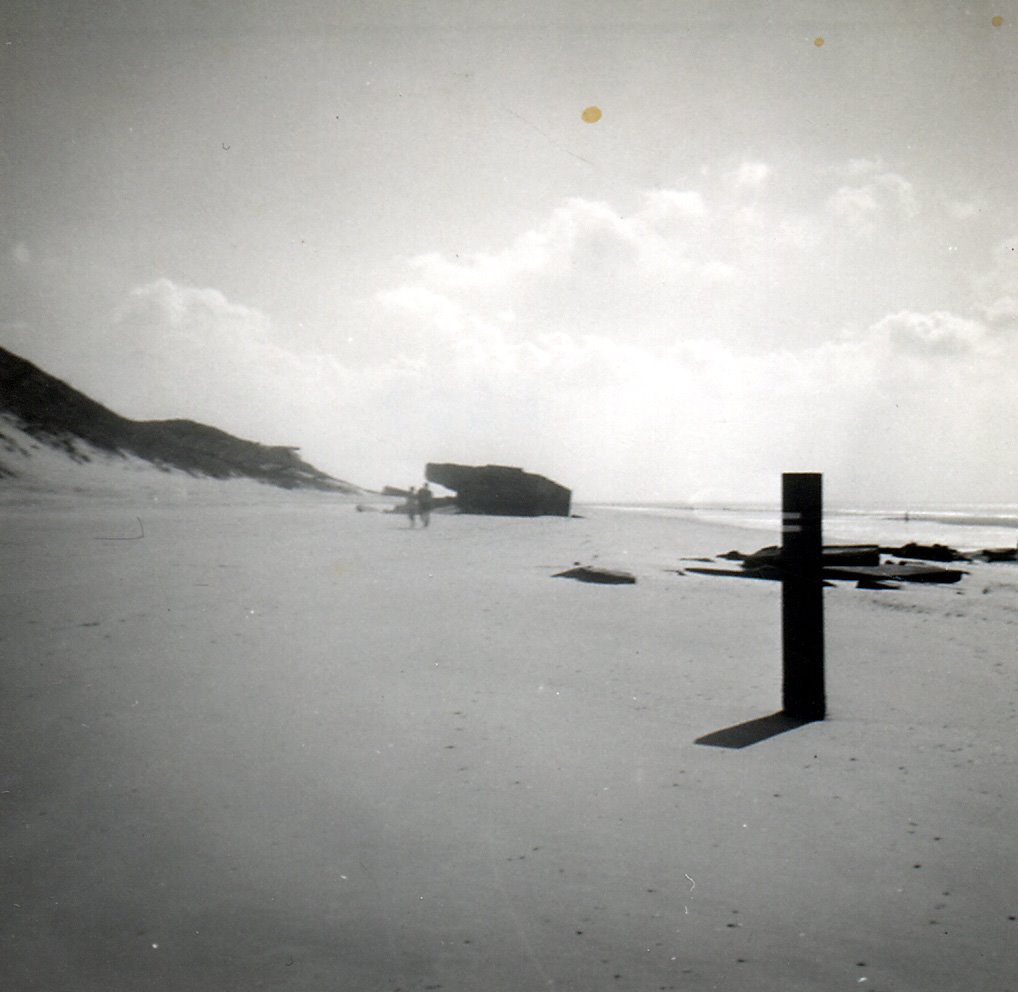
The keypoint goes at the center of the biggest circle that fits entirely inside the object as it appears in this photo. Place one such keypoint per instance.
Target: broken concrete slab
(603, 576)
(501, 490)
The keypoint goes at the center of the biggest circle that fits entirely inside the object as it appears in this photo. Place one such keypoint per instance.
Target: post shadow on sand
(802, 619)
(753, 731)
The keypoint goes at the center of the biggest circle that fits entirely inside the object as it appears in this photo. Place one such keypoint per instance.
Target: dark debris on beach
(870, 566)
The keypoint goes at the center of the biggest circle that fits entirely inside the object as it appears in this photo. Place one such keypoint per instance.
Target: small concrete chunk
(590, 573)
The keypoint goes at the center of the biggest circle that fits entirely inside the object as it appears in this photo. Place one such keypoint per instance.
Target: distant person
(425, 501)
(412, 506)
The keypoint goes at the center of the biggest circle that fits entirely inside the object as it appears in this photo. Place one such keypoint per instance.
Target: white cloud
(855, 168)
(663, 205)
(882, 406)
(692, 408)
(966, 209)
(589, 266)
(436, 310)
(855, 204)
(190, 313)
(862, 208)
(934, 335)
(1001, 278)
(617, 353)
(749, 175)
(182, 351)
(1001, 311)
(577, 224)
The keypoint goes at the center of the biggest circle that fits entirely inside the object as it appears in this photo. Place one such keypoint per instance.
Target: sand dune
(275, 743)
(44, 421)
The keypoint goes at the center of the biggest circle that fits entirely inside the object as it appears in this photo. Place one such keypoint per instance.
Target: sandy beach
(260, 740)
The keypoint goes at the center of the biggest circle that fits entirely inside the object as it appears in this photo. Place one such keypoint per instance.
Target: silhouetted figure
(424, 502)
(412, 506)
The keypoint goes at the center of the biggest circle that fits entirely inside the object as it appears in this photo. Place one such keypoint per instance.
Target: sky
(388, 233)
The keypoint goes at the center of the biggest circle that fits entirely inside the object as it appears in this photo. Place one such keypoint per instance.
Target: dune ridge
(58, 417)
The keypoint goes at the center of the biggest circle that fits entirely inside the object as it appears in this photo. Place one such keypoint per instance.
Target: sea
(965, 526)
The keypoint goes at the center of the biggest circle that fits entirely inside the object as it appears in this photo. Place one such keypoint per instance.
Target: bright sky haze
(390, 234)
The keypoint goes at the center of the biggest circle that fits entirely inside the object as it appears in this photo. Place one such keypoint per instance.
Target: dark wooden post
(802, 596)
